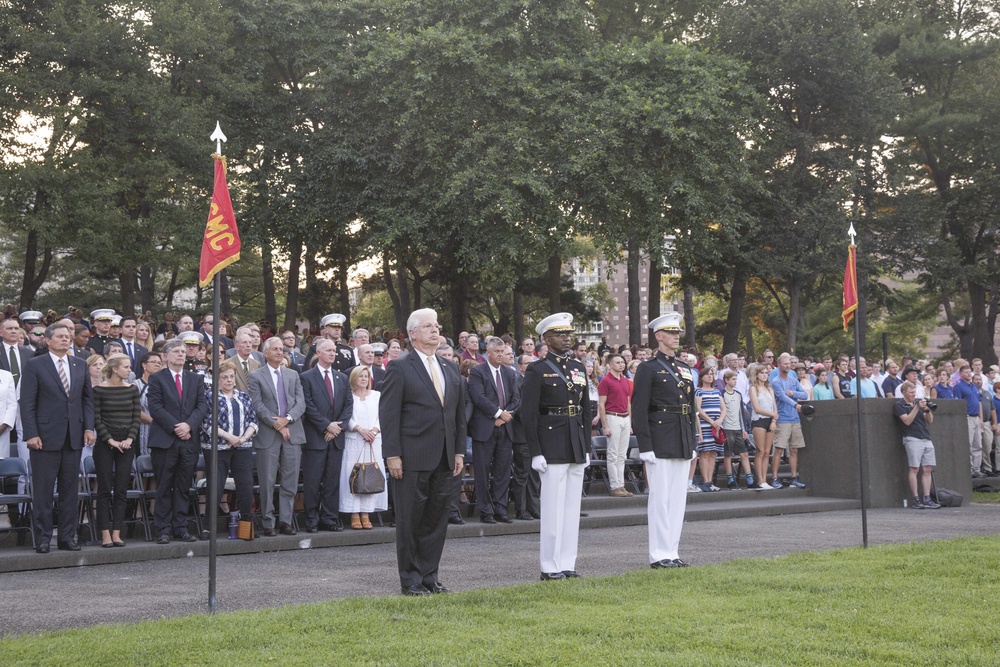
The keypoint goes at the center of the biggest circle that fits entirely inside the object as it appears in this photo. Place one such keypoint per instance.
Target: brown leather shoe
(286, 529)
(620, 492)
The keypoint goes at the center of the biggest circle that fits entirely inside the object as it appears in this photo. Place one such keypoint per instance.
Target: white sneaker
(693, 488)
(713, 487)
(765, 486)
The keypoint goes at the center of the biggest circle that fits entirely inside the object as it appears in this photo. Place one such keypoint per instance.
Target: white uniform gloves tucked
(647, 457)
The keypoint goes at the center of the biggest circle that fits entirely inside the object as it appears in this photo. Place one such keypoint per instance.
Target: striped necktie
(61, 368)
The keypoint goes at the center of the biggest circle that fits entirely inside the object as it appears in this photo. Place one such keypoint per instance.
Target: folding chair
(597, 471)
(144, 495)
(15, 469)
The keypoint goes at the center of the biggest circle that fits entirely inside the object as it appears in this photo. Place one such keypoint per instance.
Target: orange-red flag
(850, 285)
(221, 245)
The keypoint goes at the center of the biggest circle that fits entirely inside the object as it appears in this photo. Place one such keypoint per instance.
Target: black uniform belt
(571, 411)
(675, 409)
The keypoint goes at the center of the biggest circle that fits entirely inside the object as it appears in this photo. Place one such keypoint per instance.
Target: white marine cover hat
(557, 322)
(333, 320)
(669, 322)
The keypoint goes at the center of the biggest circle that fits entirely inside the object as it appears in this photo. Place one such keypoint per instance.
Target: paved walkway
(84, 596)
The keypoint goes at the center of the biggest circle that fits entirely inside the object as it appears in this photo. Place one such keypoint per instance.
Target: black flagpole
(861, 432)
(213, 478)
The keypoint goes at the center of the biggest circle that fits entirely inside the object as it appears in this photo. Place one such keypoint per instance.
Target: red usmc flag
(850, 286)
(221, 244)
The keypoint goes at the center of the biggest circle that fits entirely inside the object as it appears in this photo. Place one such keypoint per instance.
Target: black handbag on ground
(367, 477)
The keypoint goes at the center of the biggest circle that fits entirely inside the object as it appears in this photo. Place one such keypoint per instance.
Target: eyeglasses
(209, 322)
(37, 333)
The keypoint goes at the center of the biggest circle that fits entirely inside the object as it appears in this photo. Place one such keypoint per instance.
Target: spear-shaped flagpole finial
(850, 232)
(219, 138)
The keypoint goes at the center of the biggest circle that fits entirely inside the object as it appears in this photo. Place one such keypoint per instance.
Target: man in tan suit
(245, 360)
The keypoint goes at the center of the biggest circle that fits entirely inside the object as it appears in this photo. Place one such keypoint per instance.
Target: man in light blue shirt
(869, 388)
(788, 434)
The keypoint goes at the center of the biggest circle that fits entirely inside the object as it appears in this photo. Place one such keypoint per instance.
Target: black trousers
(238, 464)
(114, 473)
(526, 484)
(321, 485)
(51, 471)
(173, 469)
(491, 459)
(422, 501)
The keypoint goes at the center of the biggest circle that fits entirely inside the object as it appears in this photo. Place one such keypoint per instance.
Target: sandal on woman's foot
(355, 523)
(366, 524)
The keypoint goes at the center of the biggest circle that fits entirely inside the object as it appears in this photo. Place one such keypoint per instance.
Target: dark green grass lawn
(916, 604)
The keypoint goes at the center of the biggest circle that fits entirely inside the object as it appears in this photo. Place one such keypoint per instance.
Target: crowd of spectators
(746, 407)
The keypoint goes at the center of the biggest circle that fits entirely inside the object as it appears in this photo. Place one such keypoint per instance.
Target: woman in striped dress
(711, 411)
(116, 418)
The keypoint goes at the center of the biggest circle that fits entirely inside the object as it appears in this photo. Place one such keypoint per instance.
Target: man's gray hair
(493, 342)
(322, 342)
(784, 355)
(271, 342)
(413, 321)
(171, 344)
(355, 333)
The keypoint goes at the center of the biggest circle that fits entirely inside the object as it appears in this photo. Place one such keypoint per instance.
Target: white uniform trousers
(667, 480)
(561, 495)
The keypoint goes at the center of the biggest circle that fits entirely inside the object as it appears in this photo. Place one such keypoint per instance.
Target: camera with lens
(931, 405)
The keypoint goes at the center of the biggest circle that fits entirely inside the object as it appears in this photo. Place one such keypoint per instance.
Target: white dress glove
(647, 457)
(539, 464)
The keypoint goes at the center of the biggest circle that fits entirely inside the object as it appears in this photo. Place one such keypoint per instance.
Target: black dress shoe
(666, 562)
(415, 590)
(524, 516)
(119, 543)
(456, 520)
(437, 587)
(487, 518)
(42, 549)
(163, 539)
(503, 518)
(552, 576)
(108, 545)
(68, 546)
(331, 527)
(679, 563)
(312, 529)
(185, 537)
(268, 532)
(535, 515)
(571, 574)
(286, 528)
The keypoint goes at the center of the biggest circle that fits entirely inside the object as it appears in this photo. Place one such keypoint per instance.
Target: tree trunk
(748, 337)
(655, 278)
(518, 308)
(171, 289)
(147, 288)
(267, 274)
(126, 283)
(689, 335)
(344, 291)
(34, 276)
(225, 299)
(390, 288)
(982, 338)
(503, 317)
(311, 301)
(555, 282)
(404, 298)
(734, 318)
(632, 280)
(459, 306)
(794, 306)
(294, 273)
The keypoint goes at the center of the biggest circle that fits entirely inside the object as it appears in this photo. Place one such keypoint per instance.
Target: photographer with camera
(915, 414)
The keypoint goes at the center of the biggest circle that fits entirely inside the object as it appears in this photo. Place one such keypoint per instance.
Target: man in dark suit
(422, 414)
(291, 343)
(207, 332)
(366, 357)
(332, 327)
(525, 483)
(177, 405)
(132, 348)
(57, 411)
(278, 399)
(496, 398)
(555, 410)
(329, 407)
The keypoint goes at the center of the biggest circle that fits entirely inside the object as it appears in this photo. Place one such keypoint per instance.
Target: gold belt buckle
(573, 410)
(685, 409)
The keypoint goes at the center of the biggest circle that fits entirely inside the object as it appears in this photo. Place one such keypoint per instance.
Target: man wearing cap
(555, 411)
(332, 327)
(663, 419)
(911, 375)
(422, 416)
(102, 329)
(192, 346)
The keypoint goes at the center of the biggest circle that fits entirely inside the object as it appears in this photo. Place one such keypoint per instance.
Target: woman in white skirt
(362, 431)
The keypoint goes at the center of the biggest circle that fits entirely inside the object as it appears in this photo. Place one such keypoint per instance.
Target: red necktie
(329, 385)
(177, 381)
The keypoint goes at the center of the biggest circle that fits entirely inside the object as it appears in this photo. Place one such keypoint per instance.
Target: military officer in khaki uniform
(555, 412)
(663, 419)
